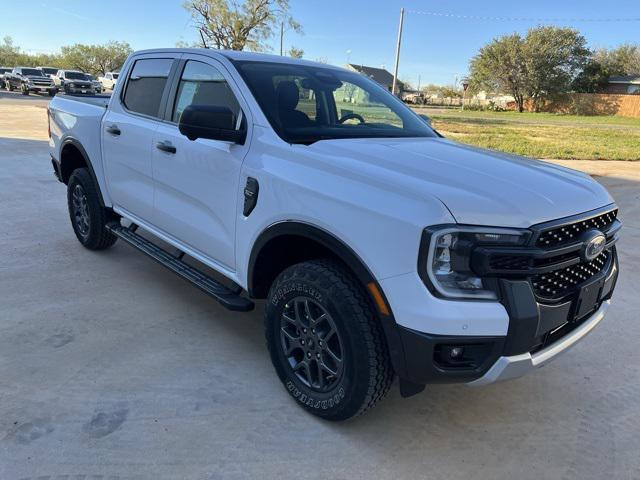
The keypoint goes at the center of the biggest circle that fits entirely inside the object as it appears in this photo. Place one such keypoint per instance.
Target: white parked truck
(381, 248)
(109, 80)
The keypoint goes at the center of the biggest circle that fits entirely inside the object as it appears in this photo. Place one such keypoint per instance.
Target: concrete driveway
(113, 368)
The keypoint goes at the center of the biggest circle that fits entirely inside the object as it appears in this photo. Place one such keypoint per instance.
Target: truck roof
(238, 56)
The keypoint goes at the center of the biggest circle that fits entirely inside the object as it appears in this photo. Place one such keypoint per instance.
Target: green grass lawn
(543, 135)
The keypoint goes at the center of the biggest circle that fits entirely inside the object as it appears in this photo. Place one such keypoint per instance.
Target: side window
(352, 100)
(146, 84)
(202, 84)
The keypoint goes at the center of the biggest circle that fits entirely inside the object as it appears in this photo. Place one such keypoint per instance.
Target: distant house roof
(630, 79)
(379, 75)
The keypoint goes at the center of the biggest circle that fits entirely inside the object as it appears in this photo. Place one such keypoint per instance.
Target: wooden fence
(594, 104)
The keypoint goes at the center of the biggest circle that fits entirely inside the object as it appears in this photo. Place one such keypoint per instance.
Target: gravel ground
(111, 367)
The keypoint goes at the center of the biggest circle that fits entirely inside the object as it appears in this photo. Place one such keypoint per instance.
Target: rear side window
(202, 84)
(146, 84)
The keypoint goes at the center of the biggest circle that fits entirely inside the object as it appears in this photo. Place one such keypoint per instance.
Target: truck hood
(479, 187)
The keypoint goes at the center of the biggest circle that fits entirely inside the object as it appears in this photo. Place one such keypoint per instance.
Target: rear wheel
(88, 217)
(326, 343)
(9, 86)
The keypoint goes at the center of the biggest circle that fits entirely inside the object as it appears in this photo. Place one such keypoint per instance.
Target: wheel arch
(270, 255)
(74, 156)
(285, 243)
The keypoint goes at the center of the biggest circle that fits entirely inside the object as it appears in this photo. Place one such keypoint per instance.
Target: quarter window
(202, 84)
(146, 84)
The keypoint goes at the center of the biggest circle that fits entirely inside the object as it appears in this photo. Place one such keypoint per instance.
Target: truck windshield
(49, 71)
(115, 76)
(305, 104)
(75, 76)
(33, 72)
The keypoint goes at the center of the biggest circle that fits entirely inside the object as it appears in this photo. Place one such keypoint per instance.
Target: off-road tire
(96, 236)
(25, 90)
(367, 373)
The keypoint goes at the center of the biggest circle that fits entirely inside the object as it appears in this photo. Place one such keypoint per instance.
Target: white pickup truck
(381, 247)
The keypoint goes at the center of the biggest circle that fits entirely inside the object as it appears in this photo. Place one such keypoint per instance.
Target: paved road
(110, 365)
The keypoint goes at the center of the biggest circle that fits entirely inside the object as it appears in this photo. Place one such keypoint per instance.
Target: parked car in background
(109, 80)
(50, 72)
(73, 81)
(27, 80)
(380, 247)
(3, 71)
(96, 84)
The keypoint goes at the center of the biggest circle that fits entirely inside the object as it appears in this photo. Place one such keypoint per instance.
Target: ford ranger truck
(381, 248)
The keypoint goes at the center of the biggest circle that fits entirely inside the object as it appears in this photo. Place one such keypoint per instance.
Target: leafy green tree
(235, 25)
(500, 67)
(605, 63)
(296, 52)
(553, 59)
(96, 59)
(542, 64)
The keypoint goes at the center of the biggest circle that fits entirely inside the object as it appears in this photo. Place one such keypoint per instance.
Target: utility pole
(395, 72)
(282, 38)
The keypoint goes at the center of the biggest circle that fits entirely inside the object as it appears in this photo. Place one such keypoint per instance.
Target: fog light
(456, 352)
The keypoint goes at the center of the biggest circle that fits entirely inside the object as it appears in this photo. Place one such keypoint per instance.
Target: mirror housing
(212, 122)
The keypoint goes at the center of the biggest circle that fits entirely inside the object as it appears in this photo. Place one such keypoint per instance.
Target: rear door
(197, 182)
(128, 129)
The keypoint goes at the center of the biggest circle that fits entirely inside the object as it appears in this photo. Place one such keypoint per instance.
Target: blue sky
(436, 48)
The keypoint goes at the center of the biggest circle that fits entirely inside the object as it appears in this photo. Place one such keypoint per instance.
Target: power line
(522, 19)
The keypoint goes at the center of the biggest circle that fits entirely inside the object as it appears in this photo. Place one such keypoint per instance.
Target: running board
(227, 297)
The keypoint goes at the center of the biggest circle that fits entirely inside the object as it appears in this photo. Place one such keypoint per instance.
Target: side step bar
(227, 297)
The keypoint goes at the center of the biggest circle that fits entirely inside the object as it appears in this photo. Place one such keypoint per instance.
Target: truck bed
(99, 100)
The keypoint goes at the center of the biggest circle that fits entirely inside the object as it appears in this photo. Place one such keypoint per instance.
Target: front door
(197, 182)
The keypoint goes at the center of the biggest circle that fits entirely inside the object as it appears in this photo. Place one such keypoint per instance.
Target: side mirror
(426, 119)
(212, 122)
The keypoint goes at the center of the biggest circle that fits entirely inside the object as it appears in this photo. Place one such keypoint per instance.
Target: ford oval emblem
(593, 245)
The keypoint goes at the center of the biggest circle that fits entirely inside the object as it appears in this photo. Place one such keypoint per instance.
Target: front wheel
(326, 343)
(88, 217)
(25, 90)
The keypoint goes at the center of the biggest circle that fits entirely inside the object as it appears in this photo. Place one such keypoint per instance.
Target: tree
(500, 67)
(553, 59)
(96, 59)
(542, 64)
(603, 63)
(296, 52)
(231, 25)
(445, 91)
(9, 53)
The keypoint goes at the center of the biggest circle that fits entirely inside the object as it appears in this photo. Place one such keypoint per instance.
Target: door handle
(113, 130)
(166, 147)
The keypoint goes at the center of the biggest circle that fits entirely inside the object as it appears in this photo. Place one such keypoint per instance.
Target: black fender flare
(352, 260)
(87, 160)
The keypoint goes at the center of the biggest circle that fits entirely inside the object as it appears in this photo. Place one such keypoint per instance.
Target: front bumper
(536, 331)
(81, 90)
(506, 368)
(41, 88)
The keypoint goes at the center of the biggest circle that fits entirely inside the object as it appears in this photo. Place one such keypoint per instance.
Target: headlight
(445, 259)
(71, 84)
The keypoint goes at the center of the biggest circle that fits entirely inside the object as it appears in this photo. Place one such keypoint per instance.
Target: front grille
(561, 282)
(566, 234)
(510, 262)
